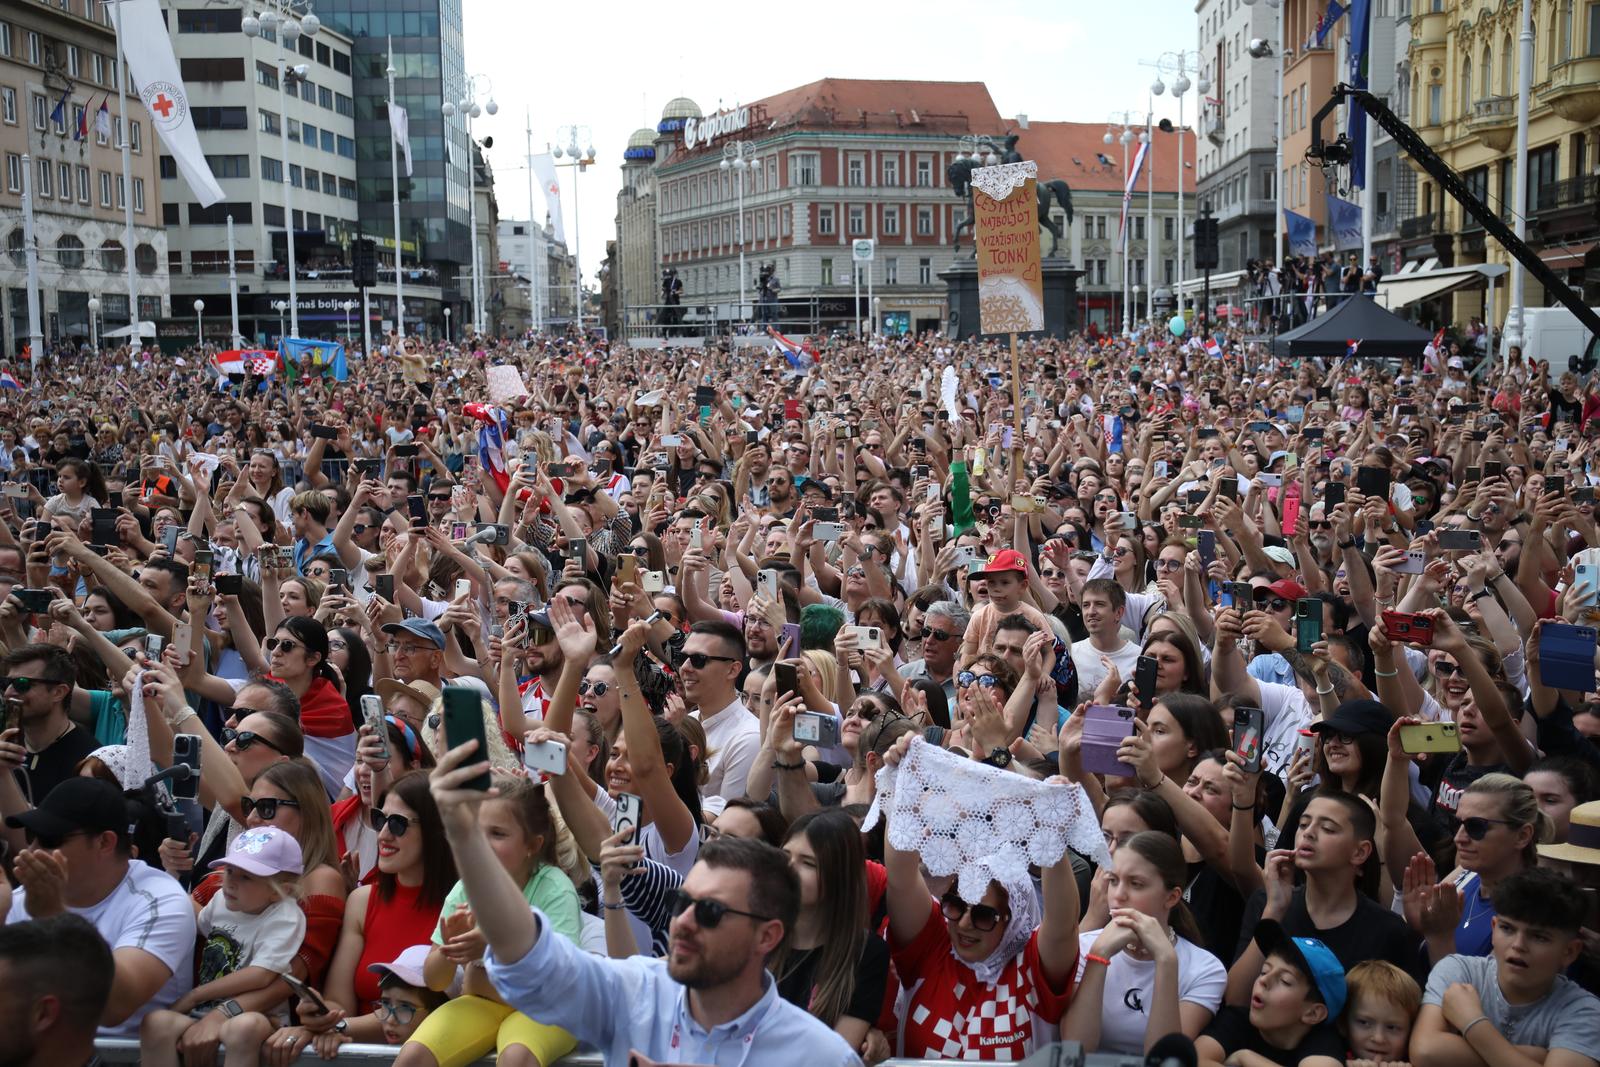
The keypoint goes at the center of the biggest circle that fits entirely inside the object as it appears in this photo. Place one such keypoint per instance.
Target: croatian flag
(229, 363)
(1350, 349)
(1127, 195)
(800, 356)
(1213, 349)
(492, 437)
(7, 381)
(1435, 346)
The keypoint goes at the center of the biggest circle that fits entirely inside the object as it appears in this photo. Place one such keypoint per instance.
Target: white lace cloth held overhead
(981, 823)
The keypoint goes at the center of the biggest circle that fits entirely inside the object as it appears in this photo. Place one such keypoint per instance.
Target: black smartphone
(186, 750)
(324, 433)
(1373, 481)
(463, 722)
(35, 601)
(338, 578)
(229, 584)
(1494, 469)
(1333, 495)
(169, 539)
(1556, 483)
(103, 526)
(787, 679)
(417, 508)
(1144, 682)
(383, 586)
(1228, 488)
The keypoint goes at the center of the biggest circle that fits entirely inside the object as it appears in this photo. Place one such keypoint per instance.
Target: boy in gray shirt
(1514, 1008)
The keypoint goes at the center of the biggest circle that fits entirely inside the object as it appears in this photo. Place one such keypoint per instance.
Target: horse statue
(959, 175)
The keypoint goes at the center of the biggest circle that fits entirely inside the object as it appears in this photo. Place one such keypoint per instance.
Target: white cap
(407, 966)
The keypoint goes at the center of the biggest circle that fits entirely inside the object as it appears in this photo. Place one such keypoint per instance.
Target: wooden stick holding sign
(1010, 282)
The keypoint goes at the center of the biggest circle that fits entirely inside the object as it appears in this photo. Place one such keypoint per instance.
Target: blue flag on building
(1325, 22)
(1356, 120)
(1344, 220)
(1302, 233)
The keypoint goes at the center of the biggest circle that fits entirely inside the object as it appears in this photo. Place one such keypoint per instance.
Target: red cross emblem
(163, 104)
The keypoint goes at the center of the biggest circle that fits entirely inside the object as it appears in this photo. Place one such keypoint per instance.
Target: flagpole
(30, 249)
(233, 289)
(1512, 334)
(127, 179)
(1279, 177)
(394, 188)
(1150, 212)
(1127, 238)
(1367, 163)
(533, 266)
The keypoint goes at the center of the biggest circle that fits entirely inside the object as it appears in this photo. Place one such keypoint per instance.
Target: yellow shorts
(469, 1028)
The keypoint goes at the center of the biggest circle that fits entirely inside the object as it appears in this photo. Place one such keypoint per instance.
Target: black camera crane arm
(1338, 153)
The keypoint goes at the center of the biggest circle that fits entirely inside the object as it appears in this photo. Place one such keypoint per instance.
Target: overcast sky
(613, 66)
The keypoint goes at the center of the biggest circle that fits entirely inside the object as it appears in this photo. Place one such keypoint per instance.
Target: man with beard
(712, 992)
(780, 492)
(57, 975)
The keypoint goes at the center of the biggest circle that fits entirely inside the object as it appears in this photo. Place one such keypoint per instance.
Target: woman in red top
(297, 653)
(400, 909)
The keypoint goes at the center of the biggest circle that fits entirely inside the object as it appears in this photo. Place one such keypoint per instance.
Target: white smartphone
(1416, 562)
(697, 539)
(463, 587)
(672, 440)
(372, 715)
(1274, 481)
(549, 757)
(767, 584)
(828, 531)
(182, 634)
(626, 815)
(654, 581)
(867, 636)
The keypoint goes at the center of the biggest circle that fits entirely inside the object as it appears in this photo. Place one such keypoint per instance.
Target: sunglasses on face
(698, 660)
(599, 689)
(52, 841)
(708, 914)
(439, 498)
(1169, 564)
(1478, 828)
(21, 684)
(280, 644)
(641, 551)
(243, 740)
(1446, 670)
(966, 678)
(266, 807)
(397, 825)
(398, 1010)
(1122, 550)
(930, 634)
(983, 917)
(1319, 524)
(1049, 573)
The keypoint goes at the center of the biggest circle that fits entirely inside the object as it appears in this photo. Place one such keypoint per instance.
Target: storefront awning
(1399, 290)
(1567, 256)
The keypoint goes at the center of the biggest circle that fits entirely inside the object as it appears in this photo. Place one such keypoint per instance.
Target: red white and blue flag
(1127, 195)
(1350, 349)
(8, 381)
(492, 437)
(1213, 349)
(799, 355)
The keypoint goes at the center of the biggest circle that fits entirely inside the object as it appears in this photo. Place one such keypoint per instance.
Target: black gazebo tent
(1355, 318)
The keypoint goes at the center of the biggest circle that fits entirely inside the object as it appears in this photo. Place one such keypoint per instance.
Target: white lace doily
(981, 823)
(1001, 181)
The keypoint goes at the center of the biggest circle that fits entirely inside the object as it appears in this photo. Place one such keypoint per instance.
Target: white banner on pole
(544, 171)
(154, 70)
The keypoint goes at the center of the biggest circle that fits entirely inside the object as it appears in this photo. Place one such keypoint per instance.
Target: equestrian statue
(959, 174)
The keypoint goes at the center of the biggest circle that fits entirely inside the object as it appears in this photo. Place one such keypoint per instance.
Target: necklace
(1477, 908)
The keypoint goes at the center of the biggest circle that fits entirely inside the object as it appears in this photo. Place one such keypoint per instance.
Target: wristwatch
(342, 1026)
(998, 757)
(231, 1008)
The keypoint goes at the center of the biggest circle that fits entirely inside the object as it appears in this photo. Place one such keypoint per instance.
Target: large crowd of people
(725, 707)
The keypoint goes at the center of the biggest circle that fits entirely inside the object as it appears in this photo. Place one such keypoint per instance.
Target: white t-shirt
(1086, 658)
(235, 940)
(149, 911)
(1130, 986)
(1287, 713)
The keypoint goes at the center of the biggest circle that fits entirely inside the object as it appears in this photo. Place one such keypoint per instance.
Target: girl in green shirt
(522, 834)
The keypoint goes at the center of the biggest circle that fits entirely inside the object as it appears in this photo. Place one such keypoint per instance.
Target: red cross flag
(155, 71)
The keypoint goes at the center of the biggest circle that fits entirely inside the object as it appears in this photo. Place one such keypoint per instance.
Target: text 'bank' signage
(697, 133)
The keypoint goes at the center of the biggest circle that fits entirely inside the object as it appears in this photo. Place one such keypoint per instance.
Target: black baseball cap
(1356, 717)
(87, 804)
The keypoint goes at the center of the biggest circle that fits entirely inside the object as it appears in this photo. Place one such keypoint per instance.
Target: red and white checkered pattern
(263, 367)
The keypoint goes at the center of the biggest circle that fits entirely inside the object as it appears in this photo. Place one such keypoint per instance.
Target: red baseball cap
(1288, 588)
(1006, 561)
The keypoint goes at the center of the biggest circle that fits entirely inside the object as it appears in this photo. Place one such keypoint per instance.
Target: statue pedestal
(1060, 299)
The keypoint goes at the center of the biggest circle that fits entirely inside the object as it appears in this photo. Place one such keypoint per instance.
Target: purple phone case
(1104, 727)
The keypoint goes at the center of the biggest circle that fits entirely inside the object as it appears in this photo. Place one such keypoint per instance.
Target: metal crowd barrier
(1065, 1054)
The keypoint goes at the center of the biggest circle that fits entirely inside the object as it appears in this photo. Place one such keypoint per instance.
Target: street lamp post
(737, 156)
(469, 108)
(349, 305)
(284, 15)
(280, 306)
(199, 324)
(1120, 128)
(580, 161)
(1174, 69)
(94, 323)
(447, 324)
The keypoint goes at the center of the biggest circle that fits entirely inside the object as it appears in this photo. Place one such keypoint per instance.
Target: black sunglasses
(397, 824)
(52, 841)
(966, 678)
(241, 740)
(984, 918)
(22, 685)
(698, 660)
(930, 634)
(1478, 828)
(266, 807)
(599, 689)
(707, 913)
(274, 644)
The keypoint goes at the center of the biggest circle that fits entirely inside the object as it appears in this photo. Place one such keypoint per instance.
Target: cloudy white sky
(611, 66)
